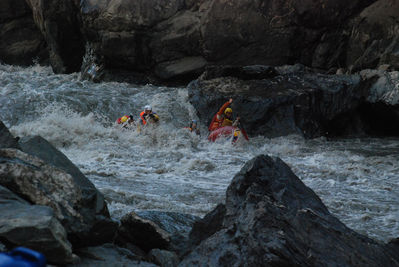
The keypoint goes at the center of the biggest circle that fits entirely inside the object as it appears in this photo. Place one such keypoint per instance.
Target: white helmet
(148, 107)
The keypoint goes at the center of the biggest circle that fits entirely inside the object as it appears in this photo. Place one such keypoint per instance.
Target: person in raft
(193, 127)
(224, 117)
(126, 121)
(147, 116)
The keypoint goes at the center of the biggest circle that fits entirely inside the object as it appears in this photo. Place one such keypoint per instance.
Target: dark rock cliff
(175, 39)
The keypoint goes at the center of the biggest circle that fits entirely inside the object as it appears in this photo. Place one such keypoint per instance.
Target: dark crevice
(368, 119)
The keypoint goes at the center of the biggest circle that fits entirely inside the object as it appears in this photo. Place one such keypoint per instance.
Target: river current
(171, 169)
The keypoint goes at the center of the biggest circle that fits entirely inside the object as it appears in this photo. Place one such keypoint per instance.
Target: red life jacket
(217, 123)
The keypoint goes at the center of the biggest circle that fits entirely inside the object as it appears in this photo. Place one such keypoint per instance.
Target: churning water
(171, 169)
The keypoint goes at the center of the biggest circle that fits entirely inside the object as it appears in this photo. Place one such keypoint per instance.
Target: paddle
(240, 125)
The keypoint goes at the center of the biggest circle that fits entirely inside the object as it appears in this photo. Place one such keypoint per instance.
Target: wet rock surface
(273, 219)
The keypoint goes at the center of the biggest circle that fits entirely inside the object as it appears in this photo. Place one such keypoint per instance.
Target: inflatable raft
(227, 132)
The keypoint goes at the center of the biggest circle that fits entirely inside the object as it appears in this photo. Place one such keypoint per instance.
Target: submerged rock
(273, 219)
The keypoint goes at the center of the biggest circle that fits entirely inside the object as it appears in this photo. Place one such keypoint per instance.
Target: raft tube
(226, 131)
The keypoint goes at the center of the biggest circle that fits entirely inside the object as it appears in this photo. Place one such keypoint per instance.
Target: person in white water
(148, 116)
(126, 121)
(224, 117)
(193, 127)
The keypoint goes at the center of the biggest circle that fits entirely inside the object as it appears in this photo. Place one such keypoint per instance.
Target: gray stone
(33, 226)
(43, 184)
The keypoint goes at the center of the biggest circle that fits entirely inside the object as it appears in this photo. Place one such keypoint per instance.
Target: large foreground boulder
(92, 205)
(33, 226)
(273, 219)
(42, 184)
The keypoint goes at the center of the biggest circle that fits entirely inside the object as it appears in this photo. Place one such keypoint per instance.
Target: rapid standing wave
(171, 169)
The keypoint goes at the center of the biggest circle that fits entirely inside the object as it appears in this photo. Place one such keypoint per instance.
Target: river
(171, 169)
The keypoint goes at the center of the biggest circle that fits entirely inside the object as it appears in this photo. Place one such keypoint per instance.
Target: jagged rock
(273, 219)
(92, 201)
(6, 138)
(141, 232)
(33, 226)
(163, 258)
(43, 184)
(21, 42)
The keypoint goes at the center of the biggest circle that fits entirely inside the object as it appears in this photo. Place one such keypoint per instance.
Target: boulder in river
(292, 99)
(273, 219)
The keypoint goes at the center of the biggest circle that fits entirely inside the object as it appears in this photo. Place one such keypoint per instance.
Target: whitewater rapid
(171, 169)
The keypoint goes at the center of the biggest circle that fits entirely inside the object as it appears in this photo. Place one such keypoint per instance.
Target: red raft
(229, 132)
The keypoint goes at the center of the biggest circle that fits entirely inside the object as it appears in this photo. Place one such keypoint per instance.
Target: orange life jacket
(143, 117)
(143, 120)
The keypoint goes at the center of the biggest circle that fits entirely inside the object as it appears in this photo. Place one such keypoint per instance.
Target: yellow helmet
(124, 119)
(228, 110)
